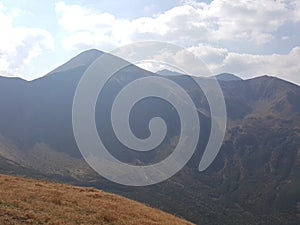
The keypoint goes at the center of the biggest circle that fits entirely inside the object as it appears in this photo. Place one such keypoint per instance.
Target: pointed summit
(227, 77)
(83, 59)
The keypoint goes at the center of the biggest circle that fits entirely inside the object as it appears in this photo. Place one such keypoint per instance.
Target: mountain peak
(227, 77)
(82, 59)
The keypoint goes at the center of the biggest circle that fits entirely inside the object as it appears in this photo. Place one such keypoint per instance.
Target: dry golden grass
(27, 201)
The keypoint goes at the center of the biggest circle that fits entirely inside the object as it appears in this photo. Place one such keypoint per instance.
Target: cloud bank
(19, 45)
(242, 21)
(244, 37)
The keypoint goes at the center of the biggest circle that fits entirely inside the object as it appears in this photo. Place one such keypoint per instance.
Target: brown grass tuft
(27, 201)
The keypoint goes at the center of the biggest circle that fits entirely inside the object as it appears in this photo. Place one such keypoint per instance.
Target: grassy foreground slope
(28, 201)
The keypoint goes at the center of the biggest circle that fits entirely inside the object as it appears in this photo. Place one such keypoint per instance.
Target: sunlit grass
(27, 201)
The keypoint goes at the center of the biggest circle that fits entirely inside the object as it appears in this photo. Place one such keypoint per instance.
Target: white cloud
(210, 55)
(218, 23)
(248, 21)
(285, 66)
(189, 23)
(107, 30)
(220, 60)
(19, 45)
(87, 29)
(205, 60)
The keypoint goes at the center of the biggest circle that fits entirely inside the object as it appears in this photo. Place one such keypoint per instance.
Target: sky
(245, 37)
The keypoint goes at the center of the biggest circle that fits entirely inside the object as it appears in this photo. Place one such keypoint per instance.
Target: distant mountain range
(254, 180)
(220, 77)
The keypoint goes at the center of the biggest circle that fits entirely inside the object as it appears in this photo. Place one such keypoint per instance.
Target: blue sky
(245, 37)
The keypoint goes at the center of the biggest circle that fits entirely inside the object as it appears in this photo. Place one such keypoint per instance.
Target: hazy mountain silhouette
(220, 77)
(84, 59)
(254, 180)
(166, 72)
(227, 77)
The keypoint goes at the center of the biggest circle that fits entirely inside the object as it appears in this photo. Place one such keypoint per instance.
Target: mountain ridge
(227, 77)
(85, 58)
(82, 59)
(254, 179)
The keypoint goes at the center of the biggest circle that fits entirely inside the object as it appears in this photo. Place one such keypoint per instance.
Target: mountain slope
(26, 201)
(254, 180)
(83, 59)
(227, 77)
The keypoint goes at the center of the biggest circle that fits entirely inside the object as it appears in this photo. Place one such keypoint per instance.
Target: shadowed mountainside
(254, 179)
